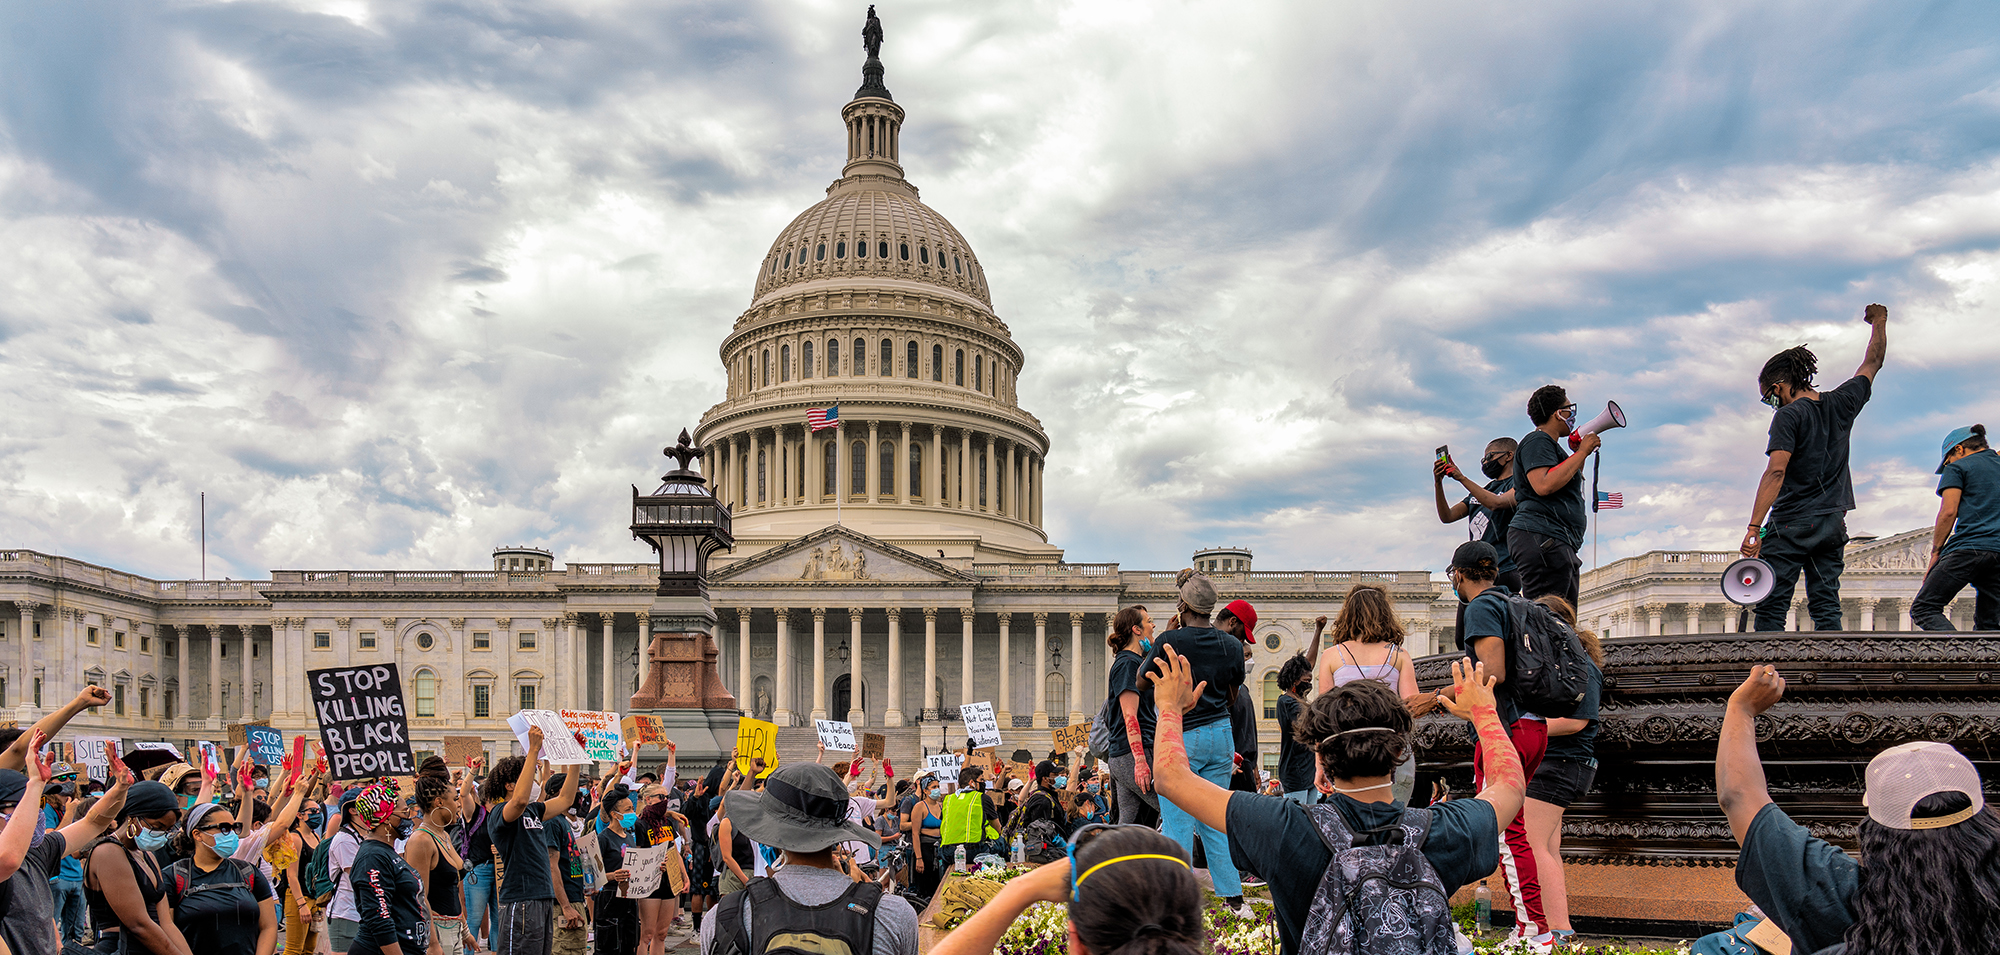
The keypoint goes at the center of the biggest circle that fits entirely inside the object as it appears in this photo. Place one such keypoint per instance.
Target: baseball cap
(1241, 610)
(1476, 555)
(1956, 438)
(1901, 776)
(1199, 594)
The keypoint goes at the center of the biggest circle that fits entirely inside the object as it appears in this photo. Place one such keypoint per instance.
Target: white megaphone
(1612, 417)
(1747, 582)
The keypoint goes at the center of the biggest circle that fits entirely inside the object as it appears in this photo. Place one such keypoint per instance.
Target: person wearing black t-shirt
(1965, 542)
(572, 932)
(1806, 490)
(388, 894)
(221, 905)
(1131, 725)
(521, 847)
(1488, 509)
(617, 917)
(1295, 758)
(1549, 522)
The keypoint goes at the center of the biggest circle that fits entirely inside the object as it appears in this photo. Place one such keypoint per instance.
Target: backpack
(1547, 667)
(1381, 899)
(1042, 839)
(318, 871)
(778, 924)
(181, 873)
(1108, 716)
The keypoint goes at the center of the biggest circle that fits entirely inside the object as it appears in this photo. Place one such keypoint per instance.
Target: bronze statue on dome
(871, 34)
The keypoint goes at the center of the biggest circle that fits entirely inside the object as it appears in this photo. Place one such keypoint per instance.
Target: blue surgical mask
(151, 840)
(263, 784)
(1091, 788)
(1062, 781)
(225, 844)
(1145, 647)
(628, 820)
(316, 819)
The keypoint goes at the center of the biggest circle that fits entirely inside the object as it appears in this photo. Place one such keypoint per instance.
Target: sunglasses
(221, 827)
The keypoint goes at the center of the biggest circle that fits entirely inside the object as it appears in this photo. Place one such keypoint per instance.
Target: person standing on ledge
(1969, 500)
(1549, 522)
(1806, 490)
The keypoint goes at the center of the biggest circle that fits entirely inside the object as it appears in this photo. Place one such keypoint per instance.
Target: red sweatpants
(1517, 860)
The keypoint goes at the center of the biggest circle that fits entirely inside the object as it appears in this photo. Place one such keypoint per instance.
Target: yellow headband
(1148, 855)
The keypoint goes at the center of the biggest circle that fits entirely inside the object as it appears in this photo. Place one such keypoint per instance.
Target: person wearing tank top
(433, 854)
(122, 889)
(1368, 645)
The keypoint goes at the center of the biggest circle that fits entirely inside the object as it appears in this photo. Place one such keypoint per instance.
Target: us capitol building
(886, 569)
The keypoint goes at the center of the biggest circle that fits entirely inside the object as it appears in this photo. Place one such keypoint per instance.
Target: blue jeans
(1211, 753)
(480, 901)
(69, 910)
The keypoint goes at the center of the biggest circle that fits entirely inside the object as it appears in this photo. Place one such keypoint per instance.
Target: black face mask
(404, 828)
(1493, 468)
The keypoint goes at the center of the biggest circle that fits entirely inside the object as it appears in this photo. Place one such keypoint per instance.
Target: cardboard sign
(238, 732)
(756, 739)
(1071, 737)
(642, 730)
(873, 745)
(676, 872)
(459, 749)
(980, 724)
(267, 746)
(362, 721)
(835, 735)
(593, 863)
(603, 737)
(1022, 771)
(559, 745)
(646, 866)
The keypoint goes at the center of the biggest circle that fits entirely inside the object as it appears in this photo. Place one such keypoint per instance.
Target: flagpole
(1596, 459)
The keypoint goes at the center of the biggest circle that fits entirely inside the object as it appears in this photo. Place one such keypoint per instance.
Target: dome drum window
(888, 364)
(802, 256)
(833, 357)
(860, 358)
(882, 250)
(861, 249)
(806, 360)
(910, 359)
(905, 247)
(924, 254)
(840, 250)
(820, 256)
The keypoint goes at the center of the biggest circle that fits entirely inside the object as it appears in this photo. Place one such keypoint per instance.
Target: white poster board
(89, 753)
(559, 745)
(163, 747)
(593, 861)
(981, 726)
(644, 865)
(836, 735)
(944, 765)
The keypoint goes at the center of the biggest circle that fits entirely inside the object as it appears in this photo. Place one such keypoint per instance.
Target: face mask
(1091, 788)
(404, 828)
(1145, 647)
(263, 784)
(629, 820)
(1062, 781)
(1774, 401)
(316, 819)
(225, 844)
(150, 840)
(1493, 468)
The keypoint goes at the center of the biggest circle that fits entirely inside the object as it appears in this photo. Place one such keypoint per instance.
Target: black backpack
(1379, 899)
(780, 925)
(1548, 670)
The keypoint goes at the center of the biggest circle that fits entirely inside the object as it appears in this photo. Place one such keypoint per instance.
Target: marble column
(1075, 668)
(819, 663)
(24, 656)
(1013, 486)
(902, 475)
(1694, 611)
(743, 683)
(841, 466)
(1867, 615)
(930, 707)
(1904, 624)
(1041, 718)
(183, 691)
(992, 476)
(249, 692)
(967, 497)
(892, 715)
(1003, 708)
(1655, 619)
(965, 618)
(938, 497)
(781, 711)
(874, 464)
(855, 714)
(1730, 618)
(573, 664)
(215, 708)
(645, 617)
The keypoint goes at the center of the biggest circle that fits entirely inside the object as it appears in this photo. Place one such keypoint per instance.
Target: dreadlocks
(1795, 365)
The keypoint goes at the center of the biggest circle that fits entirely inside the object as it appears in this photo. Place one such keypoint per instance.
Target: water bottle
(959, 865)
(1482, 908)
(1020, 851)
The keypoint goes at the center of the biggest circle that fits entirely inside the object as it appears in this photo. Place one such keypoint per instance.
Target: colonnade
(900, 462)
(1865, 614)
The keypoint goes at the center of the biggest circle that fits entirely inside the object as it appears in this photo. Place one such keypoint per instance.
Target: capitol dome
(871, 307)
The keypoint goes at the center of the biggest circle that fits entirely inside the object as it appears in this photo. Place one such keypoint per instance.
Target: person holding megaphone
(1549, 517)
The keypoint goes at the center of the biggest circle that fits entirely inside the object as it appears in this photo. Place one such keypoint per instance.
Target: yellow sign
(756, 739)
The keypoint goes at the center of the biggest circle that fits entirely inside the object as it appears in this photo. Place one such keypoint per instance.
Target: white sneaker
(1242, 910)
(1542, 944)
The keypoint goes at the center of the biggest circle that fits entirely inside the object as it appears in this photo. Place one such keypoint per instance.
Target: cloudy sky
(397, 282)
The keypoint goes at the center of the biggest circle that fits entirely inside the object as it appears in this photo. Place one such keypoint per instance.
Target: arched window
(860, 356)
(916, 471)
(427, 693)
(924, 254)
(1271, 693)
(784, 363)
(788, 258)
(888, 365)
(886, 479)
(861, 249)
(978, 372)
(910, 359)
(958, 368)
(857, 468)
(819, 255)
(955, 267)
(763, 477)
(904, 249)
(832, 357)
(767, 366)
(1055, 694)
(802, 256)
(840, 250)
(832, 469)
(882, 249)
(937, 362)
(774, 265)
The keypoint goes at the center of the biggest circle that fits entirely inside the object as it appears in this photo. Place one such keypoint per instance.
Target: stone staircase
(905, 746)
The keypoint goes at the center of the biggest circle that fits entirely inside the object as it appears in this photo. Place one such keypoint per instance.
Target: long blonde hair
(1567, 614)
(1367, 615)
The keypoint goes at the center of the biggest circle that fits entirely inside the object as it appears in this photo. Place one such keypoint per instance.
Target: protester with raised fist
(1798, 521)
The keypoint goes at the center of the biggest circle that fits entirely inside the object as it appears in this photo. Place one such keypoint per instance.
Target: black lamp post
(684, 524)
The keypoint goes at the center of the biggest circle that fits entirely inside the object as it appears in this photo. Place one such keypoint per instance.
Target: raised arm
(16, 755)
(517, 801)
(1472, 699)
(1448, 511)
(104, 814)
(1878, 342)
(1313, 646)
(1142, 773)
(1739, 773)
(551, 808)
(1175, 692)
(21, 826)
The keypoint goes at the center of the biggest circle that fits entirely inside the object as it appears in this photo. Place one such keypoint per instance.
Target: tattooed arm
(1506, 786)
(1142, 773)
(1174, 692)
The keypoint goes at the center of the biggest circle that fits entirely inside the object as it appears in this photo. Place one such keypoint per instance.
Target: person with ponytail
(122, 887)
(1798, 520)
(1130, 891)
(388, 894)
(1131, 724)
(433, 854)
(1968, 499)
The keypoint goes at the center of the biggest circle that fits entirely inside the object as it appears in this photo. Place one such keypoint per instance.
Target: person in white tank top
(1368, 645)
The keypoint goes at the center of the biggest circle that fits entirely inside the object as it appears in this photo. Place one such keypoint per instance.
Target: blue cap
(1952, 440)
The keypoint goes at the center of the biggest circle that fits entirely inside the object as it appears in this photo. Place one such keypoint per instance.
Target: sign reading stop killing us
(362, 722)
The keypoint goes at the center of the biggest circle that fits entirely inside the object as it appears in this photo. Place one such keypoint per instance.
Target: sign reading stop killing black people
(362, 722)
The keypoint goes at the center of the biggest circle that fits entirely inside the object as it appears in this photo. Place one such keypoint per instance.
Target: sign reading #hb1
(362, 721)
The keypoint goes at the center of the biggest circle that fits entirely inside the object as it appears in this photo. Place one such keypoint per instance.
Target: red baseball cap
(1241, 610)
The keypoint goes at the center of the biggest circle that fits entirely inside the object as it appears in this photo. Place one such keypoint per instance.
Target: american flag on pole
(1606, 500)
(820, 419)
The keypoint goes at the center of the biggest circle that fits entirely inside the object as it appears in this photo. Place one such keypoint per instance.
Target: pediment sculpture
(834, 564)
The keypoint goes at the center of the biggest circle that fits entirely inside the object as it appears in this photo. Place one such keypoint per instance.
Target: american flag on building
(820, 419)
(1606, 500)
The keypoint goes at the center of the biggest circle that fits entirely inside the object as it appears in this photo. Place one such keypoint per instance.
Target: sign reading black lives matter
(362, 722)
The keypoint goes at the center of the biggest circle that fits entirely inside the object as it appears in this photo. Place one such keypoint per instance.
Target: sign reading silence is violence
(362, 721)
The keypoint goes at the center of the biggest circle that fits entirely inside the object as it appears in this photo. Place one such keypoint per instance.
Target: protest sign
(362, 721)
(559, 745)
(944, 765)
(600, 731)
(88, 752)
(208, 756)
(1071, 737)
(459, 749)
(267, 746)
(983, 756)
(835, 735)
(642, 730)
(756, 739)
(676, 872)
(238, 732)
(593, 864)
(980, 723)
(873, 745)
(167, 747)
(1021, 770)
(645, 867)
